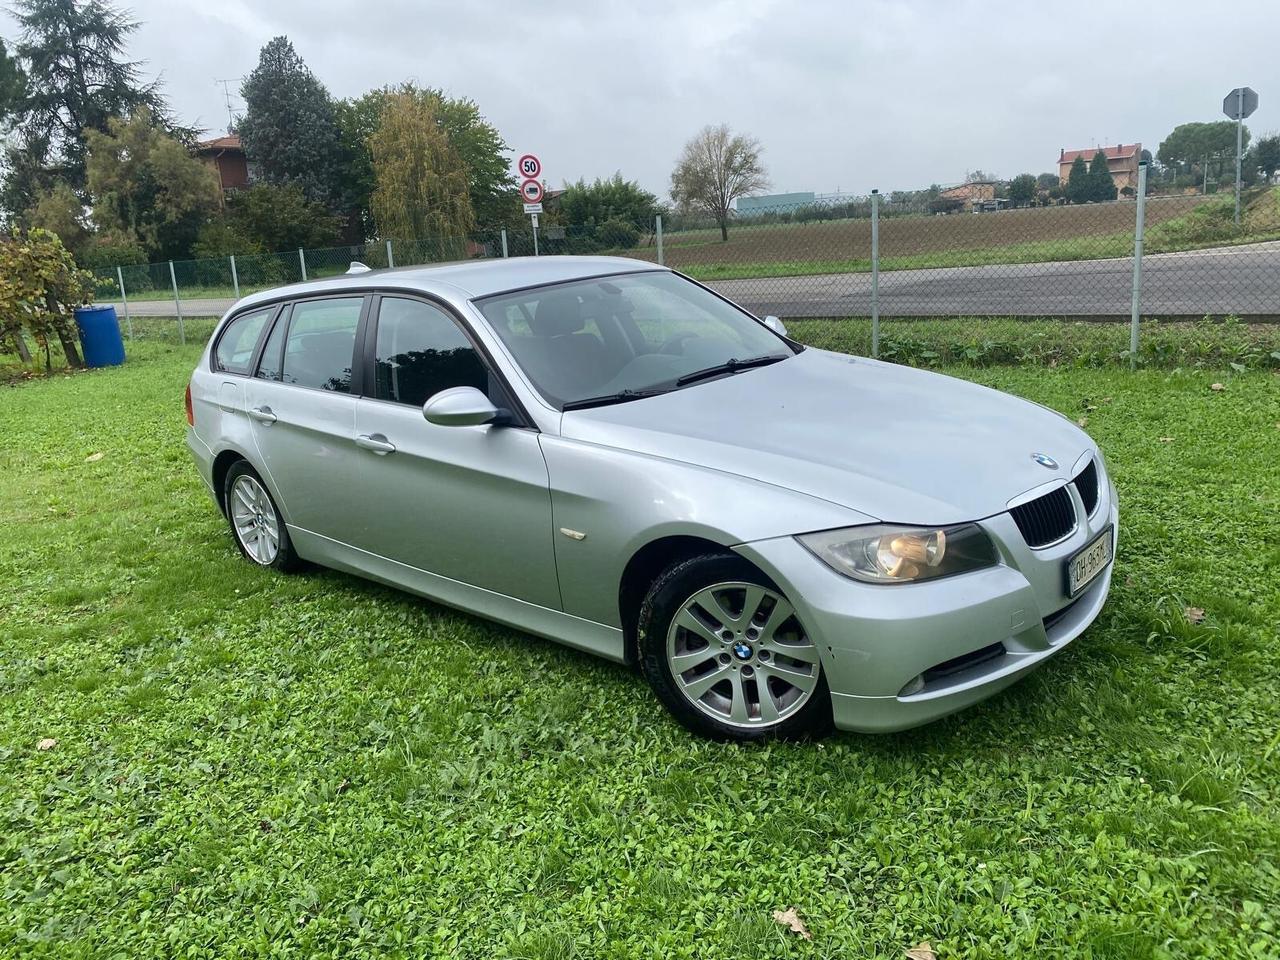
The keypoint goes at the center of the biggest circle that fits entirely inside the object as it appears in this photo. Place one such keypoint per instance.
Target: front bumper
(897, 656)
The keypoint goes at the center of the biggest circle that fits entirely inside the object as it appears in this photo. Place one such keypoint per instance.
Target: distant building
(1122, 161)
(974, 192)
(226, 155)
(773, 203)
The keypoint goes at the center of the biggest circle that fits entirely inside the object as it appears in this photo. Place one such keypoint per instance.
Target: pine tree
(289, 128)
(76, 80)
(1102, 187)
(1078, 183)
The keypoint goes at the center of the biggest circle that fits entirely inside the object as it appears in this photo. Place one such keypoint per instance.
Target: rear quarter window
(234, 352)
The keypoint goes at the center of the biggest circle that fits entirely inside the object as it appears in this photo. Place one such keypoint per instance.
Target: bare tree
(715, 168)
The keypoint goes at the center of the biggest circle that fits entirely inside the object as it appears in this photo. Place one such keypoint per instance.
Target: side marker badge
(573, 534)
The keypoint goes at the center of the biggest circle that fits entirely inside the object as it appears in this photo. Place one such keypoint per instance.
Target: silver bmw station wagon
(608, 454)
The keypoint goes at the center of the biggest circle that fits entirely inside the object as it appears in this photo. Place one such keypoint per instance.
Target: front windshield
(636, 332)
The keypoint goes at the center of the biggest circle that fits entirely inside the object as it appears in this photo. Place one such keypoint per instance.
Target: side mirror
(461, 407)
(776, 325)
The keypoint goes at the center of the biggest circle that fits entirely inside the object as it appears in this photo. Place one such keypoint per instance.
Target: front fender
(608, 503)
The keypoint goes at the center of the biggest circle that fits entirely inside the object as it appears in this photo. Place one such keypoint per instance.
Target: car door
(468, 503)
(302, 406)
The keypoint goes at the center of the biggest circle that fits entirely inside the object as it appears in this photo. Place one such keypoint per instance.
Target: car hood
(892, 442)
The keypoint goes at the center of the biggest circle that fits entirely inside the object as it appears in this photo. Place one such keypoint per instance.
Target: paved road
(1241, 280)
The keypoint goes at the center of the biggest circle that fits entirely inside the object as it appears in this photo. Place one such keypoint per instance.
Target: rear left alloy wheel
(726, 653)
(256, 524)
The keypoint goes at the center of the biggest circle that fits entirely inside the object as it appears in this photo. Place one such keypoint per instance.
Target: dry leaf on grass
(922, 951)
(48, 743)
(1083, 421)
(1166, 439)
(1194, 615)
(94, 457)
(791, 920)
(1217, 387)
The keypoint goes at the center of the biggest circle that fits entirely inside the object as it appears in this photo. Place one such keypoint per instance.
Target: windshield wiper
(732, 365)
(622, 396)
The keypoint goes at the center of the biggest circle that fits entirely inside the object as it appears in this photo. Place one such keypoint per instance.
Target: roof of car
(469, 278)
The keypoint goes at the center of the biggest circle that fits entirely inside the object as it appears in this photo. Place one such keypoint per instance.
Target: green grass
(1038, 251)
(256, 765)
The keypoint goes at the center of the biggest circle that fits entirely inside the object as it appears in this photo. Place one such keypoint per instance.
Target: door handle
(262, 414)
(375, 442)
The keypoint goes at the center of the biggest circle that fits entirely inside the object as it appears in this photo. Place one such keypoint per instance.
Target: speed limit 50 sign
(530, 166)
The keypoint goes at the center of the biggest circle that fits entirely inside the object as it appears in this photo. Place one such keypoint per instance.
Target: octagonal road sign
(1240, 102)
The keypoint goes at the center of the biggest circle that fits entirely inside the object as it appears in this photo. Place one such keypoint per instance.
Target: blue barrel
(100, 336)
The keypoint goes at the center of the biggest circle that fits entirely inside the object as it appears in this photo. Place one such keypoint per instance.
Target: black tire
(666, 598)
(285, 559)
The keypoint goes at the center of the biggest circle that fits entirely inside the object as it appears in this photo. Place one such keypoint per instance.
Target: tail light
(191, 414)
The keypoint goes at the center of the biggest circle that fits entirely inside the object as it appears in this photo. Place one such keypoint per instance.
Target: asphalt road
(1241, 280)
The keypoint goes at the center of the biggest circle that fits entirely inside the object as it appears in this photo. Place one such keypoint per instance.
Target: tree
(716, 168)
(1078, 183)
(1193, 143)
(61, 213)
(1267, 155)
(12, 87)
(592, 204)
(1022, 189)
(273, 218)
(1048, 181)
(146, 186)
(479, 145)
(1102, 186)
(289, 127)
(76, 81)
(421, 187)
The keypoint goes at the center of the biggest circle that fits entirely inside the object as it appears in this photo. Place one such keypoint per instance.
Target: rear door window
(234, 353)
(321, 343)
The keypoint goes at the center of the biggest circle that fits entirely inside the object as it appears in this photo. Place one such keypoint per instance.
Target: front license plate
(1087, 562)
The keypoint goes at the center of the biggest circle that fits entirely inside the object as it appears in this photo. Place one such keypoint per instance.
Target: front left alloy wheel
(726, 653)
(256, 523)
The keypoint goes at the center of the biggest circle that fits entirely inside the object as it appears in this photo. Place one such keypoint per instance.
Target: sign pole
(1238, 104)
(1239, 145)
(534, 218)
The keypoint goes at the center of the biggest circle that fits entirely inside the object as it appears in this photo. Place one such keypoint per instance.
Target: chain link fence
(967, 279)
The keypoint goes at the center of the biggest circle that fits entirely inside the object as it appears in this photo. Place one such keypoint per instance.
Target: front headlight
(883, 553)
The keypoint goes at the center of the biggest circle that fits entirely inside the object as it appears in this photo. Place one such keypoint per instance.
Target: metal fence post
(235, 276)
(391, 259)
(173, 278)
(302, 262)
(875, 273)
(657, 236)
(504, 243)
(1136, 303)
(124, 297)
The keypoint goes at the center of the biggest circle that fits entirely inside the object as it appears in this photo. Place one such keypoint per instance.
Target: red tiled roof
(1118, 152)
(230, 142)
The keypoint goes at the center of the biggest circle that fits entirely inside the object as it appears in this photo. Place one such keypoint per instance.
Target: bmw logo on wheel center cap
(742, 650)
(1045, 460)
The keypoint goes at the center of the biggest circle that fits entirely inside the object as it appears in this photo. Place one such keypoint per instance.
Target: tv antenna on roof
(226, 95)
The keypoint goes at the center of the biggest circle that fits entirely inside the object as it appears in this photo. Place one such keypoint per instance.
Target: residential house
(226, 155)
(1122, 161)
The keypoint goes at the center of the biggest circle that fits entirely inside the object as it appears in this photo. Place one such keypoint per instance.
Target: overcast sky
(845, 96)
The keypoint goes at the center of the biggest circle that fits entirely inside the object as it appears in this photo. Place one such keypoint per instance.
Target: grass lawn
(249, 764)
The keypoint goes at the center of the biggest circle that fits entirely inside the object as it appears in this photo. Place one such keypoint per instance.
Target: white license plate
(1087, 562)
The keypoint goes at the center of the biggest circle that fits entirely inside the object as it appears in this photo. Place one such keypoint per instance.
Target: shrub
(40, 287)
(617, 234)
